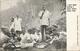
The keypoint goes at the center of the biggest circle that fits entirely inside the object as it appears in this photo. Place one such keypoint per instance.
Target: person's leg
(43, 30)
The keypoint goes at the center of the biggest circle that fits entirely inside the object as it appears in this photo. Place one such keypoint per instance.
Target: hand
(40, 17)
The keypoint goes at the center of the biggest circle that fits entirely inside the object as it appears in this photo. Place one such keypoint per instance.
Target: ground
(49, 48)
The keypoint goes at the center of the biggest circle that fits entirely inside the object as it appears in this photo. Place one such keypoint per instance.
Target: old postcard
(39, 25)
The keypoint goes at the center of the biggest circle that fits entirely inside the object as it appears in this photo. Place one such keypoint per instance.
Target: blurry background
(28, 10)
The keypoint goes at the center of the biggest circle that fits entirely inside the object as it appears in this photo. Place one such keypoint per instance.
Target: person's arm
(49, 21)
(41, 14)
(21, 24)
(49, 17)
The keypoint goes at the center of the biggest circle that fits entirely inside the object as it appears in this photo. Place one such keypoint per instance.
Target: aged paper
(39, 25)
(73, 40)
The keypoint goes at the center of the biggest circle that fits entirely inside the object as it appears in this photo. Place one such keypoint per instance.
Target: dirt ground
(49, 48)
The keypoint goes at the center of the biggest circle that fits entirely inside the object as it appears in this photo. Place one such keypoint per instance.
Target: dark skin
(12, 19)
(7, 33)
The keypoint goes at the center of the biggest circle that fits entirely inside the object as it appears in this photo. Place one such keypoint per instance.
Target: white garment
(25, 37)
(17, 24)
(28, 36)
(12, 26)
(40, 36)
(35, 36)
(44, 20)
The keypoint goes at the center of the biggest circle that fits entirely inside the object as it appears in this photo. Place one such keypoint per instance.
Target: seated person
(6, 38)
(3, 37)
(27, 40)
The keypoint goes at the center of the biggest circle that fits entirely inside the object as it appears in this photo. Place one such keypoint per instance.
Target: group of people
(44, 16)
(28, 39)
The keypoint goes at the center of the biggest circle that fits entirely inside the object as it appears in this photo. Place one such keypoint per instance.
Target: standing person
(44, 20)
(17, 25)
(12, 23)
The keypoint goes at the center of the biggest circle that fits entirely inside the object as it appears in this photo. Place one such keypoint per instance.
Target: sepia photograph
(33, 25)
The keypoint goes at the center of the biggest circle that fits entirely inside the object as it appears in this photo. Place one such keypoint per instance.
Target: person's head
(55, 26)
(17, 16)
(32, 31)
(12, 19)
(19, 38)
(43, 8)
(12, 30)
